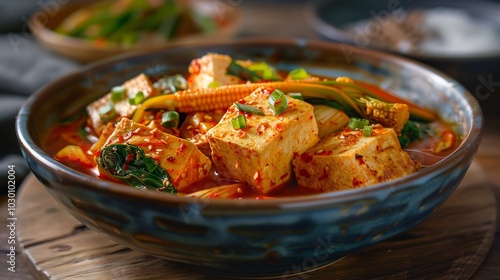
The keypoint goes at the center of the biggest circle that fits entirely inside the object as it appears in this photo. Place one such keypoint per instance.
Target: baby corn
(195, 100)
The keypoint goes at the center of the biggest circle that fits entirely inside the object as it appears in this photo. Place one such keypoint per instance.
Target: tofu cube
(261, 153)
(210, 68)
(180, 158)
(117, 109)
(349, 160)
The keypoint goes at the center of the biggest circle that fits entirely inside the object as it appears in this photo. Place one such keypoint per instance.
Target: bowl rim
(295, 203)
(337, 35)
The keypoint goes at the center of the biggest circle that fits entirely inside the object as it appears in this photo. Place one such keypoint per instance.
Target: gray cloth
(14, 14)
(25, 67)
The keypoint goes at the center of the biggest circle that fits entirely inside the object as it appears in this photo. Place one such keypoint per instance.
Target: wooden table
(488, 157)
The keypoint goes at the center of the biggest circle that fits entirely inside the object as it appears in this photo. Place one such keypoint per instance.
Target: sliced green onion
(248, 109)
(171, 84)
(239, 122)
(137, 99)
(215, 84)
(296, 95)
(278, 101)
(235, 69)
(358, 123)
(367, 130)
(107, 112)
(117, 93)
(178, 81)
(298, 74)
(170, 119)
(265, 71)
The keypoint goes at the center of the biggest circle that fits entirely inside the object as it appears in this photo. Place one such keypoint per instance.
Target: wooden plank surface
(452, 243)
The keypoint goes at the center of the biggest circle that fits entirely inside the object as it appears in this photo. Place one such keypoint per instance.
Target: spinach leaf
(130, 164)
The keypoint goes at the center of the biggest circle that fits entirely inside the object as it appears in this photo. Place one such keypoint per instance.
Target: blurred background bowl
(44, 23)
(460, 38)
(252, 238)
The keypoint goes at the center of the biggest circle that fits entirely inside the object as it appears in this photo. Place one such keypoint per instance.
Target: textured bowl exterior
(278, 237)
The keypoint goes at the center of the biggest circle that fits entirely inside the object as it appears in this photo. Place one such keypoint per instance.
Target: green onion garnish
(234, 69)
(298, 74)
(367, 130)
(117, 93)
(107, 112)
(170, 119)
(215, 84)
(278, 101)
(357, 123)
(248, 109)
(137, 99)
(171, 84)
(239, 122)
(296, 95)
(178, 81)
(265, 71)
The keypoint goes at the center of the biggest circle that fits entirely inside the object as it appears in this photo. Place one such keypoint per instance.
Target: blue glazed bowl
(250, 238)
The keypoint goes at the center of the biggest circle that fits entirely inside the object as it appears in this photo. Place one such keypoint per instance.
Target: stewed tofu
(349, 160)
(113, 107)
(261, 153)
(210, 68)
(179, 157)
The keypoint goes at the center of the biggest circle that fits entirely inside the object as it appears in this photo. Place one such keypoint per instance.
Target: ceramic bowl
(250, 238)
(478, 71)
(43, 23)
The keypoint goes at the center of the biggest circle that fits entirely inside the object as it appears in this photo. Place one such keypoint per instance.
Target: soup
(238, 129)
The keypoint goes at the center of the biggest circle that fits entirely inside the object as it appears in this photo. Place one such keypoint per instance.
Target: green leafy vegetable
(130, 22)
(234, 69)
(256, 72)
(296, 95)
(411, 131)
(129, 164)
(205, 22)
(366, 91)
(264, 71)
(166, 20)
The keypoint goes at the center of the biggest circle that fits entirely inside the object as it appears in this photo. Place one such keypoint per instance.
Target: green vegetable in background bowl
(128, 22)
